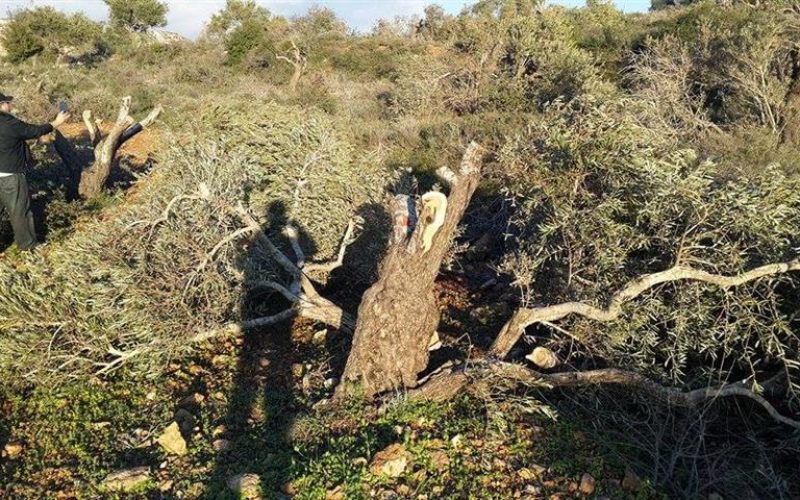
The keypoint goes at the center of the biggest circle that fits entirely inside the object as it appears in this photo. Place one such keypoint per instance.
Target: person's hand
(62, 117)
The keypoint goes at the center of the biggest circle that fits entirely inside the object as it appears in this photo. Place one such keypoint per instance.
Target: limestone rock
(392, 461)
(335, 494)
(439, 460)
(172, 441)
(289, 489)
(245, 486)
(320, 337)
(587, 484)
(12, 450)
(221, 445)
(631, 482)
(127, 480)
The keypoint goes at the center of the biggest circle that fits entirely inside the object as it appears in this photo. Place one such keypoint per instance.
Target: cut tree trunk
(89, 175)
(398, 314)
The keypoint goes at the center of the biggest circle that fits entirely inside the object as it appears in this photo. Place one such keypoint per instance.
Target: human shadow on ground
(264, 401)
(261, 408)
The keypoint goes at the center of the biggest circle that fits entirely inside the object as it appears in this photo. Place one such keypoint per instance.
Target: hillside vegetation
(640, 172)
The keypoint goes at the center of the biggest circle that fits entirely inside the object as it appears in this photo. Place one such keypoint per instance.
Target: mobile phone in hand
(63, 106)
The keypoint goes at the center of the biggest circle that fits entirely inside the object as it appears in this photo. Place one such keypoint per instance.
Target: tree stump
(398, 314)
(89, 178)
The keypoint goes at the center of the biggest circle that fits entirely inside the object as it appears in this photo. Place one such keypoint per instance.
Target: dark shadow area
(359, 271)
(5, 433)
(54, 205)
(263, 405)
(728, 447)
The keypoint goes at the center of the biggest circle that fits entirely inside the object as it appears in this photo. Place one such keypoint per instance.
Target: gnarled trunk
(398, 314)
(89, 182)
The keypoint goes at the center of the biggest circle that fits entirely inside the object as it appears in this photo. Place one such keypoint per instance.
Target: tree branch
(524, 318)
(347, 240)
(91, 126)
(449, 383)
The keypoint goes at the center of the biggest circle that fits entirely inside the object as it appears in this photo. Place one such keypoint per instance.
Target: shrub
(46, 32)
(137, 15)
(126, 285)
(248, 32)
(602, 201)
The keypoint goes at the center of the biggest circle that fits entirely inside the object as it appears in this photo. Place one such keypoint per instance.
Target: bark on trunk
(398, 314)
(89, 182)
(298, 62)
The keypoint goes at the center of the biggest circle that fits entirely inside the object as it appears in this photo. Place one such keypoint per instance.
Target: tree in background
(46, 32)
(137, 15)
(247, 31)
(318, 22)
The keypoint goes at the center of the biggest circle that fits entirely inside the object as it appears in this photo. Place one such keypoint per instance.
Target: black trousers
(17, 202)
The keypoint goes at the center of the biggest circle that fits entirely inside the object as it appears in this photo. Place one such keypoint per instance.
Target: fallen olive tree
(90, 173)
(186, 253)
(398, 314)
(181, 257)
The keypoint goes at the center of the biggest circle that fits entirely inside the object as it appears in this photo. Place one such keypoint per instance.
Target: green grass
(75, 436)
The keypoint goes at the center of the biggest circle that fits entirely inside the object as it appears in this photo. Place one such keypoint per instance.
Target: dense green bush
(248, 32)
(48, 33)
(140, 286)
(137, 15)
(602, 201)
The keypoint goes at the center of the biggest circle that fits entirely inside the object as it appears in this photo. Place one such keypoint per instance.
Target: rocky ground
(243, 419)
(246, 416)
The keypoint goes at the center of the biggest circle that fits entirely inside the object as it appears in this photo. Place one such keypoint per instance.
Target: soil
(137, 150)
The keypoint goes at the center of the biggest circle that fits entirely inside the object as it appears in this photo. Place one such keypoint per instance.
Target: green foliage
(606, 204)
(320, 22)
(78, 428)
(137, 15)
(282, 162)
(249, 33)
(49, 33)
(435, 23)
(606, 33)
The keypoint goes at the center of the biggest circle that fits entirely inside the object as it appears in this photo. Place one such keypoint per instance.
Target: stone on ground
(245, 486)
(587, 484)
(172, 441)
(391, 462)
(127, 480)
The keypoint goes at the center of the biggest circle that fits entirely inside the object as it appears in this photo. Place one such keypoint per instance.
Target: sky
(188, 17)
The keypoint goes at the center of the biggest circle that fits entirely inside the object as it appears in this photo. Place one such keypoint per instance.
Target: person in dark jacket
(14, 159)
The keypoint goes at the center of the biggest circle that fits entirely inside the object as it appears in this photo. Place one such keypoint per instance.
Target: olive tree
(137, 15)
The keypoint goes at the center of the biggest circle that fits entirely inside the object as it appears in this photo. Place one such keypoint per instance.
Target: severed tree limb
(275, 286)
(523, 318)
(90, 181)
(293, 235)
(347, 240)
(152, 117)
(91, 126)
(448, 384)
(298, 62)
(94, 178)
(308, 302)
(269, 320)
